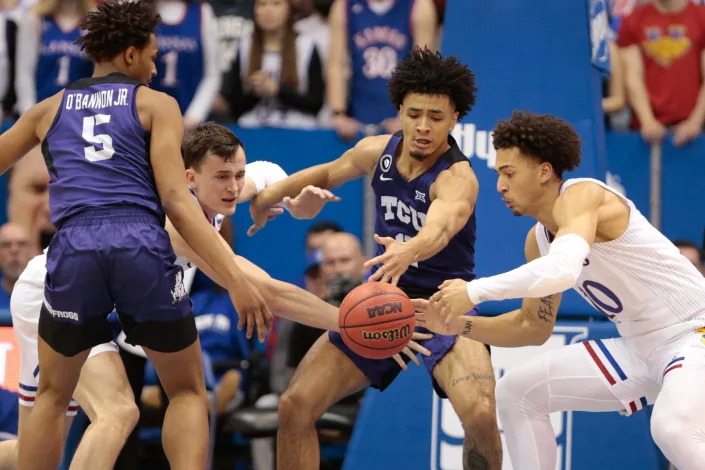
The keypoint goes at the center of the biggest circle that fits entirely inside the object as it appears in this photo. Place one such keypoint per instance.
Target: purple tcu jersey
(97, 151)
(401, 208)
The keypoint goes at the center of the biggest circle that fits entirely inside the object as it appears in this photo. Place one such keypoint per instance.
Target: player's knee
(477, 413)
(671, 426)
(126, 413)
(295, 410)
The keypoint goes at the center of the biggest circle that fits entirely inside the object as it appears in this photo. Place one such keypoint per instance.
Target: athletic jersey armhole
(57, 116)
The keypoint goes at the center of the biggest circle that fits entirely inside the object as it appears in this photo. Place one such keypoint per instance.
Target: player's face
(519, 180)
(218, 182)
(426, 121)
(143, 68)
(271, 15)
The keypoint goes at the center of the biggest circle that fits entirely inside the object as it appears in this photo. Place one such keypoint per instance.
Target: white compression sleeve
(550, 274)
(264, 174)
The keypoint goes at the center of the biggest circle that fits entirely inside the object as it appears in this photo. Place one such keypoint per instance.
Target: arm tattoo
(467, 328)
(546, 309)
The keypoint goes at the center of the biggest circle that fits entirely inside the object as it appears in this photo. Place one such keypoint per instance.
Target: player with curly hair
(425, 193)
(594, 240)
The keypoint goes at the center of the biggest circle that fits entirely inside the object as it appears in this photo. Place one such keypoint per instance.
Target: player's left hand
(452, 299)
(309, 202)
(395, 260)
(412, 349)
(429, 316)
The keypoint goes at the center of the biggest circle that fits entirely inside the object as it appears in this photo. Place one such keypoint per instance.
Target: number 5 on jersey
(89, 135)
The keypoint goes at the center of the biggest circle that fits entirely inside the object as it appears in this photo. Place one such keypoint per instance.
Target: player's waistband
(111, 215)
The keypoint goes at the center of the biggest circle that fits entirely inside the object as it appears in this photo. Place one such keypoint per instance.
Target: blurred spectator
(187, 66)
(342, 270)
(368, 39)
(4, 59)
(693, 252)
(15, 252)
(277, 78)
(319, 232)
(311, 19)
(614, 90)
(47, 58)
(662, 45)
(234, 20)
(28, 197)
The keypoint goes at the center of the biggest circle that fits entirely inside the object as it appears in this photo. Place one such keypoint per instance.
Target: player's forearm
(315, 176)
(294, 303)
(188, 220)
(509, 330)
(430, 240)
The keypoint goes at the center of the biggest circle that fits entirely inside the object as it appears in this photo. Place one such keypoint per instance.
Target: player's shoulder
(372, 146)
(151, 103)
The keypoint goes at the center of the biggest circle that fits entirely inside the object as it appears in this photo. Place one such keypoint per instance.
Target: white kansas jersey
(639, 280)
(216, 222)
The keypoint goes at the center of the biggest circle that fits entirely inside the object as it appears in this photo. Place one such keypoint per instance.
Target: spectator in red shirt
(662, 45)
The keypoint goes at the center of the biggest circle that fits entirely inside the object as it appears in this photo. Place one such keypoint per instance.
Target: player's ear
(190, 177)
(130, 55)
(546, 172)
(454, 121)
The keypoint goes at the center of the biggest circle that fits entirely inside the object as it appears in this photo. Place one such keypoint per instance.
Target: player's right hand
(260, 215)
(252, 310)
(412, 349)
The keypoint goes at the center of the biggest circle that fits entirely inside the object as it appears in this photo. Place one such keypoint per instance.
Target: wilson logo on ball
(390, 335)
(384, 309)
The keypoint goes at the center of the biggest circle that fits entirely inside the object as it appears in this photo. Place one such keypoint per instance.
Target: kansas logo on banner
(447, 431)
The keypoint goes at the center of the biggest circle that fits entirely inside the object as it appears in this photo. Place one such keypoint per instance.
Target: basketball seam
(345, 317)
(342, 327)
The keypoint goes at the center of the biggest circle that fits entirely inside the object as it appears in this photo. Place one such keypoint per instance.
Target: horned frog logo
(664, 49)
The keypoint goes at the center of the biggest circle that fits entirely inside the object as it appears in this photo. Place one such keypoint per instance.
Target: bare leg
(324, 376)
(185, 429)
(466, 375)
(105, 395)
(45, 425)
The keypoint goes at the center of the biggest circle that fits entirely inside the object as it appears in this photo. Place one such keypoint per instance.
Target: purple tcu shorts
(382, 372)
(114, 258)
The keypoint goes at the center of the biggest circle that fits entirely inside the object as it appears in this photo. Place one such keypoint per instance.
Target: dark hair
(689, 244)
(429, 73)
(116, 25)
(289, 75)
(543, 137)
(209, 137)
(324, 226)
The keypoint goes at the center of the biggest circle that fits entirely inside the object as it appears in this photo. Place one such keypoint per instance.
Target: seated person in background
(15, 252)
(693, 252)
(277, 78)
(28, 197)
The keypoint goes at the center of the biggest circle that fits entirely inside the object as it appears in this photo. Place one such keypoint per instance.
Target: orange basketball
(376, 320)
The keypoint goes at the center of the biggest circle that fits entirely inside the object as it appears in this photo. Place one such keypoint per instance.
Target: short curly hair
(209, 137)
(116, 25)
(429, 73)
(543, 137)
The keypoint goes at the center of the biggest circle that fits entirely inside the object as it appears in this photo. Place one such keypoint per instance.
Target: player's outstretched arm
(453, 197)
(575, 213)
(166, 126)
(532, 324)
(354, 163)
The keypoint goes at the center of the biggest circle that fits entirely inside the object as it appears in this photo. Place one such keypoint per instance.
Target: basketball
(376, 320)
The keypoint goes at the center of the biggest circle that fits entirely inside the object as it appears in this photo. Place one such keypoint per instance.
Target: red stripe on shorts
(599, 363)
